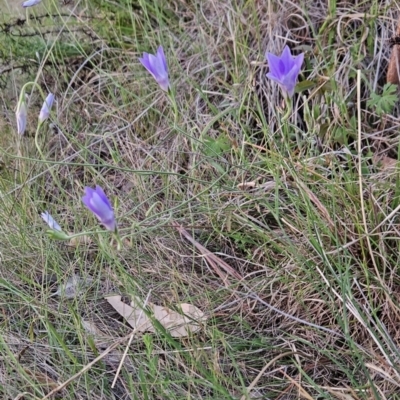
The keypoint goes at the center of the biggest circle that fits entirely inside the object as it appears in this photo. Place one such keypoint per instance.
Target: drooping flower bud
(46, 107)
(97, 202)
(21, 113)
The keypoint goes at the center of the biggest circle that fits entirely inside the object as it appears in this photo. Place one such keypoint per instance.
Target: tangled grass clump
(275, 215)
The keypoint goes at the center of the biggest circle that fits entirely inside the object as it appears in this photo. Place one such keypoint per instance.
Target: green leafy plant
(383, 103)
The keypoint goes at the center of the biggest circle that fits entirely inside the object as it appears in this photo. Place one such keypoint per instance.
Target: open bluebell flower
(97, 202)
(30, 3)
(157, 66)
(50, 221)
(285, 70)
(46, 107)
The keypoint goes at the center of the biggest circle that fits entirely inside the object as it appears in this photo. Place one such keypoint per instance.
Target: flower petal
(21, 115)
(157, 66)
(97, 202)
(161, 57)
(31, 3)
(50, 221)
(46, 107)
(275, 65)
(285, 69)
(103, 196)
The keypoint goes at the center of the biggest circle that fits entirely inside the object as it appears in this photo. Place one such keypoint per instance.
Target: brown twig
(87, 367)
(211, 258)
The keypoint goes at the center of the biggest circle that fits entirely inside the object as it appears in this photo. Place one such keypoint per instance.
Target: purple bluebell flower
(46, 107)
(97, 202)
(285, 70)
(50, 221)
(21, 114)
(157, 66)
(30, 3)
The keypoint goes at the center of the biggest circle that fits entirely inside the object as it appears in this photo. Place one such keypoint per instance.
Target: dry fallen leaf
(42, 379)
(393, 67)
(384, 162)
(135, 317)
(91, 328)
(247, 185)
(178, 325)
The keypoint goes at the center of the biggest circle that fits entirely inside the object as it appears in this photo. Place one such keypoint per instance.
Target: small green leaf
(305, 85)
(216, 146)
(384, 103)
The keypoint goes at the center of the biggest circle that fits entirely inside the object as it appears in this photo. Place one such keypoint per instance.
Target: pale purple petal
(299, 61)
(21, 115)
(45, 111)
(50, 221)
(145, 62)
(154, 67)
(276, 67)
(274, 78)
(286, 56)
(103, 196)
(161, 56)
(102, 209)
(31, 3)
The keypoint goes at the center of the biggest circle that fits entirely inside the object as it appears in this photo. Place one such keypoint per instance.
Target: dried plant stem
(129, 343)
(87, 367)
(261, 373)
(215, 261)
(360, 180)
